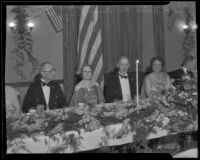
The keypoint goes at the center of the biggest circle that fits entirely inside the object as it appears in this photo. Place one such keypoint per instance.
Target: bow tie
(123, 76)
(48, 84)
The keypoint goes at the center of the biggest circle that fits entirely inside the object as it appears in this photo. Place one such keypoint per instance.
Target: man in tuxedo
(188, 68)
(121, 85)
(44, 91)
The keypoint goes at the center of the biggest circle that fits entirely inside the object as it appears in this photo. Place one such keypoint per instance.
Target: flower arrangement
(46, 123)
(179, 104)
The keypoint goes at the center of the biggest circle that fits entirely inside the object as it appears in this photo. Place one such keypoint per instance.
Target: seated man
(44, 91)
(188, 68)
(121, 84)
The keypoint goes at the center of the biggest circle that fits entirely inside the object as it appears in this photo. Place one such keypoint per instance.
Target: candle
(137, 88)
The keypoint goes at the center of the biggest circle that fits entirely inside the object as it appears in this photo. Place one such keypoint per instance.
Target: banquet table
(104, 136)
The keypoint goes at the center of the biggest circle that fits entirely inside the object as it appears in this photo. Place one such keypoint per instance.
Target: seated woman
(12, 101)
(156, 80)
(187, 69)
(87, 91)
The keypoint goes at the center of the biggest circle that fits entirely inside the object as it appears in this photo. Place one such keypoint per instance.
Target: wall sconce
(21, 29)
(187, 27)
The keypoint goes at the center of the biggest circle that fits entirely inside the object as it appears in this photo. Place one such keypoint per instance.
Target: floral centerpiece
(179, 104)
(46, 123)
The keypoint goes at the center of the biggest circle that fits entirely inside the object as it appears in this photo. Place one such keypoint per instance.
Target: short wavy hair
(86, 65)
(188, 59)
(157, 58)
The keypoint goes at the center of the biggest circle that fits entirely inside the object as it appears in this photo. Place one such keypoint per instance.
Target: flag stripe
(89, 42)
(84, 13)
(98, 68)
(84, 28)
(52, 21)
(86, 41)
(55, 19)
(95, 47)
(91, 45)
(58, 19)
(100, 77)
(97, 57)
(85, 20)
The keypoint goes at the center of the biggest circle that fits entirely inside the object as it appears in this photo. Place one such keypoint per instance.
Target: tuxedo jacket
(35, 96)
(177, 74)
(112, 86)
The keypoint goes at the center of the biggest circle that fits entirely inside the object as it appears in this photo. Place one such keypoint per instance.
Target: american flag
(55, 17)
(90, 42)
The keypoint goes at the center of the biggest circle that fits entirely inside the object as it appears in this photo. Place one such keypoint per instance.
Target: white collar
(43, 80)
(123, 75)
(184, 69)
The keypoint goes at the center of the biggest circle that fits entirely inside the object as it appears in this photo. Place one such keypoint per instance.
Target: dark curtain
(159, 31)
(70, 32)
(121, 28)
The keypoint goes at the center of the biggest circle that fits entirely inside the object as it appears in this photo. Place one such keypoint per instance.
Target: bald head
(123, 65)
(123, 58)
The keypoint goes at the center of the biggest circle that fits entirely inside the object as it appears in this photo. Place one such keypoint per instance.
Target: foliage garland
(23, 43)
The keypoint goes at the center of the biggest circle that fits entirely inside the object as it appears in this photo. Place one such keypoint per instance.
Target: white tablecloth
(89, 141)
(191, 153)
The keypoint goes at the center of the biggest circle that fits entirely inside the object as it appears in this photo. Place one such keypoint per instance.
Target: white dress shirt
(125, 86)
(46, 91)
(185, 70)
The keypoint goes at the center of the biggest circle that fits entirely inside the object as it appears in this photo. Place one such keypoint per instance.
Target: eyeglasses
(51, 71)
(87, 71)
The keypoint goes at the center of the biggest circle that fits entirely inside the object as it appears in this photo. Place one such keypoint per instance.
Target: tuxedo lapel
(41, 93)
(132, 83)
(118, 84)
(51, 97)
(130, 78)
